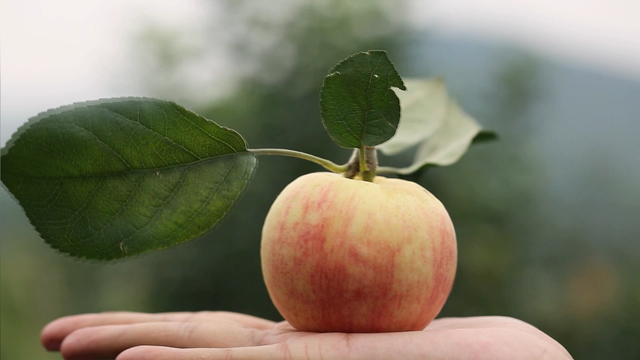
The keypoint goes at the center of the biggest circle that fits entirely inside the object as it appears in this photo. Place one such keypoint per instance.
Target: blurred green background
(546, 218)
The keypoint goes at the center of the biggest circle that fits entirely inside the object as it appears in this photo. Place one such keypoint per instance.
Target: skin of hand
(226, 335)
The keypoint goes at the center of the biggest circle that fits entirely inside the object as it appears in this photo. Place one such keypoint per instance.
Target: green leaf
(115, 178)
(436, 123)
(356, 103)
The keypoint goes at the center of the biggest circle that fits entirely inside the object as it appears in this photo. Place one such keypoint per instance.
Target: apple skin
(344, 255)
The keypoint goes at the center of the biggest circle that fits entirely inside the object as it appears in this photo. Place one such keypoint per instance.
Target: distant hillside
(585, 129)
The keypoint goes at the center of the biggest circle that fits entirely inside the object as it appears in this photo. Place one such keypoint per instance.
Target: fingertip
(68, 346)
(54, 333)
(74, 346)
(142, 353)
(50, 336)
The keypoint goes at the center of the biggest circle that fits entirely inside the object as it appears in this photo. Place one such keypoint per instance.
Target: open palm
(225, 335)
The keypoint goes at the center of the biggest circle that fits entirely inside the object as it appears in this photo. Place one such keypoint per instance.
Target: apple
(346, 255)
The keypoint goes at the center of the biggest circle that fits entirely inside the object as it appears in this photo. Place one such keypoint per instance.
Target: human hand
(225, 335)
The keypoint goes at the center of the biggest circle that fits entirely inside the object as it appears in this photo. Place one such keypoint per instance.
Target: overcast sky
(600, 33)
(57, 52)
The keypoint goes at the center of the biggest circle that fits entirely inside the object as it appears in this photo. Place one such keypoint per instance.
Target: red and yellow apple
(346, 255)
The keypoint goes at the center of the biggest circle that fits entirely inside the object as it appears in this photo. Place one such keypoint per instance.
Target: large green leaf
(115, 178)
(357, 105)
(436, 123)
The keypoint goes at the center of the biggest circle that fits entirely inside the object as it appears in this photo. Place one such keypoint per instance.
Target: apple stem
(329, 165)
(364, 161)
(369, 157)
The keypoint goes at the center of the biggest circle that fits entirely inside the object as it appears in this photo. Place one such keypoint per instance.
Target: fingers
(164, 353)
(242, 319)
(307, 346)
(266, 352)
(54, 333)
(108, 341)
(457, 343)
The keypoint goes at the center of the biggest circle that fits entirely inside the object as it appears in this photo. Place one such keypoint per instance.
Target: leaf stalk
(327, 164)
(391, 170)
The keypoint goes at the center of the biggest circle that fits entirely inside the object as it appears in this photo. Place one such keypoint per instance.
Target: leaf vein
(104, 143)
(204, 203)
(168, 139)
